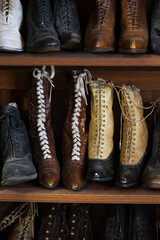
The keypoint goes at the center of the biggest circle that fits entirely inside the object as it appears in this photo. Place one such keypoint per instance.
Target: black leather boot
(140, 224)
(15, 148)
(155, 27)
(151, 174)
(116, 223)
(67, 23)
(41, 34)
(53, 221)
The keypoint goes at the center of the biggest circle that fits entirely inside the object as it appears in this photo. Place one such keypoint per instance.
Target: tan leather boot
(99, 35)
(101, 130)
(75, 134)
(134, 35)
(134, 139)
(41, 132)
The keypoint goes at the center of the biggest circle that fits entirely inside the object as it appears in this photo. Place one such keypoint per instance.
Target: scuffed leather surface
(48, 169)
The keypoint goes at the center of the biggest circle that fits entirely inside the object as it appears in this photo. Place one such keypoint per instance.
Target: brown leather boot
(134, 140)
(41, 132)
(100, 35)
(134, 29)
(22, 228)
(75, 135)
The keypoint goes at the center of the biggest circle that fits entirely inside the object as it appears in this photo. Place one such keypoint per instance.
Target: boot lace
(40, 75)
(66, 14)
(44, 10)
(102, 13)
(133, 7)
(81, 81)
(7, 7)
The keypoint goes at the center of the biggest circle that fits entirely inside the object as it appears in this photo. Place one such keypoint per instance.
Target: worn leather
(15, 148)
(11, 18)
(140, 223)
(67, 24)
(78, 222)
(48, 166)
(116, 223)
(155, 27)
(73, 171)
(53, 224)
(134, 35)
(100, 36)
(101, 130)
(41, 33)
(151, 174)
(22, 228)
(134, 139)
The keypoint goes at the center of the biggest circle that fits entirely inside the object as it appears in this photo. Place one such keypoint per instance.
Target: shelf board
(79, 59)
(92, 193)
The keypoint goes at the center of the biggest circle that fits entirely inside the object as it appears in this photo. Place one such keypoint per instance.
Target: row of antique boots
(73, 222)
(16, 152)
(56, 25)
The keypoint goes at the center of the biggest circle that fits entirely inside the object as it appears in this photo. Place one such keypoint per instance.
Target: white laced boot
(11, 17)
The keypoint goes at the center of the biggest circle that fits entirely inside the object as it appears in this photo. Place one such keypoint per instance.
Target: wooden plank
(93, 193)
(80, 59)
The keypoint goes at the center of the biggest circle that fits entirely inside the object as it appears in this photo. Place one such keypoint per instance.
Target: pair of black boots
(15, 151)
(128, 222)
(52, 25)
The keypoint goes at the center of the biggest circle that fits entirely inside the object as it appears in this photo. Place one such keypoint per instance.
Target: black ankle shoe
(15, 148)
(67, 23)
(41, 34)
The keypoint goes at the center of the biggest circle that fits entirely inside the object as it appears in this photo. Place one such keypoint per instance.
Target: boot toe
(127, 177)
(49, 179)
(74, 182)
(96, 44)
(131, 45)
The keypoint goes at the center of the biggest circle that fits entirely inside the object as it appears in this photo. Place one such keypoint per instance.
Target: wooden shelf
(79, 59)
(93, 193)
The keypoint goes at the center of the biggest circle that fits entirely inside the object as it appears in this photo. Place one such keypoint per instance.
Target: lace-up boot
(41, 34)
(134, 140)
(41, 132)
(155, 27)
(53, 222)
(101, 129)
(67, 24)
(116, 223)
(11, 17)
(22, 228)
(140, 223)
(99, 35)
(74, 134)
(151, 175)
(15, 148)
(78, 222)
(134, 30)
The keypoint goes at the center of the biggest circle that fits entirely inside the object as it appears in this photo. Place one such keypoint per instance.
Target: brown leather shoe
(41, 132)
(134, 29)
(99, 35)
(75, 135)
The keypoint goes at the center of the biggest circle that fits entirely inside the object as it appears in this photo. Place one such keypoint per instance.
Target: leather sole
(8, 49)
(17, 180)
(127, 185)
(107, 179)
(72, 44)
(99, 50)
(44, 49)
(76, 188)
(132, 50)
(153, 185)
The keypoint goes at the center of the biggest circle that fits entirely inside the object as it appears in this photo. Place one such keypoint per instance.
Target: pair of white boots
(11, 17)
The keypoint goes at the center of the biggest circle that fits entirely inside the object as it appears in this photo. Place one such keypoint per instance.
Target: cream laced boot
(11, 17)
(101, 130)
(134, 140)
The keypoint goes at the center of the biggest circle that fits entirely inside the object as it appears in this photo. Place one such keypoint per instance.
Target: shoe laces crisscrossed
(67, 18)
(133, 7)
(102, 13)
(44, 8)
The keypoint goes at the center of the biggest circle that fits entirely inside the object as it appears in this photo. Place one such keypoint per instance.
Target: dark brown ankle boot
(99, 35)
(41, 132)
(75, 135)
(134, 29)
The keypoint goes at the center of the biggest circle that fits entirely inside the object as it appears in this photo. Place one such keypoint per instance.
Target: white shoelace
(80, 92)
(42, 133)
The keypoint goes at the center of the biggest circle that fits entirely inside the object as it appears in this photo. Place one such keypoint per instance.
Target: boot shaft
(101, 126)
(135, 132)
